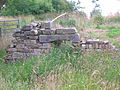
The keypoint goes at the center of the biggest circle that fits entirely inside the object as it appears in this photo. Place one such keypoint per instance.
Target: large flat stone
(31, 33)
(50, 38)
(66, 31)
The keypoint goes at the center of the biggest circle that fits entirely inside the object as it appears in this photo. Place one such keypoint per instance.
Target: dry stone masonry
(36, 39)
(96, 44)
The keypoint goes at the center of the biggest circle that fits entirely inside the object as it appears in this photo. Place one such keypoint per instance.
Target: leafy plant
(98, 20)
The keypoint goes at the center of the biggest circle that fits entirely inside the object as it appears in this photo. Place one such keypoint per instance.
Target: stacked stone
(36, 38)
(96, 44)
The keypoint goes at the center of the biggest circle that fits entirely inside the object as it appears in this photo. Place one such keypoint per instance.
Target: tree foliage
(18, 7)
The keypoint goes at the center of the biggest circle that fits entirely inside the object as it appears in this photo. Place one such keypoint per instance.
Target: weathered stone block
(16, 56)
(27, 28)
(18, 34)
(31, 33)
(45, 46)
(30, 41)
(33, 46)
(47, 31)
(32, 37)
(20, 46)
(51, 38)
(25, 50)
(12, 46)
(66, 31)
(11, 50)
(17, 41)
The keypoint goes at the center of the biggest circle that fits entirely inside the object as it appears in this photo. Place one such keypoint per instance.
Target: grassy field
(66, 68)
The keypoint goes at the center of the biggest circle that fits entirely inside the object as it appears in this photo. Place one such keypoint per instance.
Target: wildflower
(114, 57)
(70, 85)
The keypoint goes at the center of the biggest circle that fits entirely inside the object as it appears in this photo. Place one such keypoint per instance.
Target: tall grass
(62, 69)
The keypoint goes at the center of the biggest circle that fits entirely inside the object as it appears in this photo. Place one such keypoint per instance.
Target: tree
(98, 20)
(18, 7)
(96, 10)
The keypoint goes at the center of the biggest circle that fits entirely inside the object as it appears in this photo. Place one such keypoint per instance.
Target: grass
(101, 27)
(62, 69)
(113, 32)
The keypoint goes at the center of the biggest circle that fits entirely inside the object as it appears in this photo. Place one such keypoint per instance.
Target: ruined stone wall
(36, 38)
(96, 44)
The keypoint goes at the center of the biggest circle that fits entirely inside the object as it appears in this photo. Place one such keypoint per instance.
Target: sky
(108, 7)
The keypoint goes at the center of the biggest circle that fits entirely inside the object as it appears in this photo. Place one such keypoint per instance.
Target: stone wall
(36, 38)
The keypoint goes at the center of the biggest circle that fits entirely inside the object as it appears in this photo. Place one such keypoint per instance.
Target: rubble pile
(96, 44)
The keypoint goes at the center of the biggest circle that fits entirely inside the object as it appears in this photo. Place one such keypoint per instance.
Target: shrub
(98, 20)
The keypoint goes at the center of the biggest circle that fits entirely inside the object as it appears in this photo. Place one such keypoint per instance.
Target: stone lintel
(50, 38)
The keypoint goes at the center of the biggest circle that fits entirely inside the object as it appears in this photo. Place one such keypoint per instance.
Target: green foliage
(62, 5)
(101, 27)
(18, 7)
(69, 22)
(98, 20)
(114, 19)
